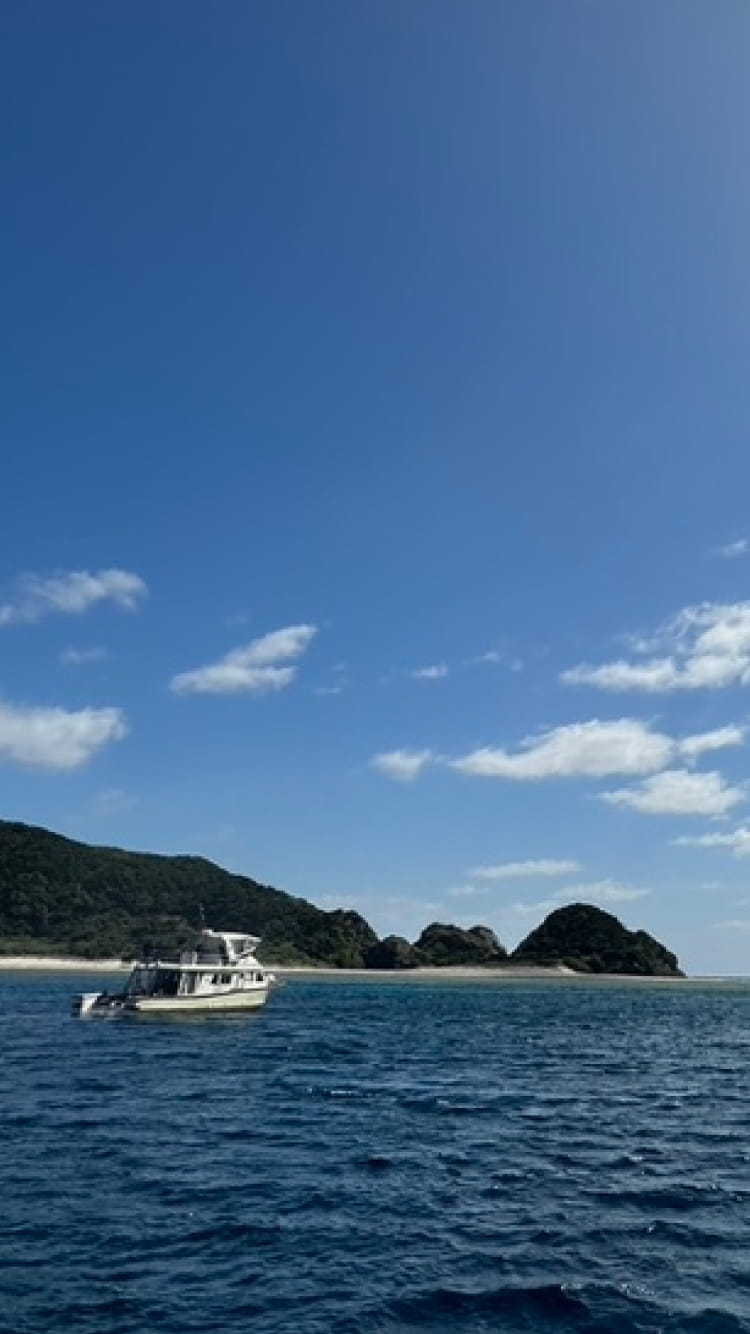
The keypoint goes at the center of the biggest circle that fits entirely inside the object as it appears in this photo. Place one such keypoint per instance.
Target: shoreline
(42, 963)
(32, 963)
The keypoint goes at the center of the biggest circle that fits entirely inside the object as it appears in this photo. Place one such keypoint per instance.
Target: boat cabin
(222, 962)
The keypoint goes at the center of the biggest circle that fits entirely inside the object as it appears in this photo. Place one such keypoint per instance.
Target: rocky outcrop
(393, 953)
(441, 945)
(589, 940)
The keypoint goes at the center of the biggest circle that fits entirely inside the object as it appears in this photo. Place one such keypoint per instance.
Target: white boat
(221, 976)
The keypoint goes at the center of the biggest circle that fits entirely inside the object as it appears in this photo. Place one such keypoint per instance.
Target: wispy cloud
(252, 669)
(435, 672)
(112, 801)
(603, 892)
(78, 657)
(530, 869)
(738, 841)
(491, 656)
(703, 647)
(529, 908)
(465, 891)
(692, 747)
(678, 792)
(734, 549)
(600, 891)
(52, 738)
(341, 681)
(70, 593)
(402, 765)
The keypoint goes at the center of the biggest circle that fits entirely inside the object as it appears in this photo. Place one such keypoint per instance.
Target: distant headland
(69, 900)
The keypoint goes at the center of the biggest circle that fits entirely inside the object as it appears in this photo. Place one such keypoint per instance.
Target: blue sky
(375, 450)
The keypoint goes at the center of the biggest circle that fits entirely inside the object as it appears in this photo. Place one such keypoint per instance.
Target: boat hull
(230, 1002)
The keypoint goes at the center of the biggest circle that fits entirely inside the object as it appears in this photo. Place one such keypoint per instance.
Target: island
(588, 940)
(67, 899)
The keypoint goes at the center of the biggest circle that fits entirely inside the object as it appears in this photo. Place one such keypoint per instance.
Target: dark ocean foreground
(370, 1157)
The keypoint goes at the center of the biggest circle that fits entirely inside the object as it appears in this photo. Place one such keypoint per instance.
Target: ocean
(366, 1156)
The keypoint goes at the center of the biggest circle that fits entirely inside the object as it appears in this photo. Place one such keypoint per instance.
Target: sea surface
(369, 1156)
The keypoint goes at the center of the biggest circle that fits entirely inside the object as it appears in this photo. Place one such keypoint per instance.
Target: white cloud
(542, 866)
(738, 841)
(433, 673)
(76, 657)
(593, 749)
(323, 691)
(734, 549)
(733, 924)
(279, 645)
(704, 647)
(50, 738)
(678, 792)
(402, 765)
(71, 593)
(659, 674)
(253, 668)
(466, 891)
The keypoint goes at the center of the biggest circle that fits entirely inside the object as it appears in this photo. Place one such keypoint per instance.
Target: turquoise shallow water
(377, 1157)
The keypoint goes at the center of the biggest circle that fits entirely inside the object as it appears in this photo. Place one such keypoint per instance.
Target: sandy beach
(53, 964)
(32, 963)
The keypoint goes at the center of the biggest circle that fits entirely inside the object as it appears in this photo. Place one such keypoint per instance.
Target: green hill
(592, 941)
(62, 897)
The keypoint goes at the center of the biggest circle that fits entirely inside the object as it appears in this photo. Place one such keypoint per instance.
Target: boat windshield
(141, 981)
(150, 980)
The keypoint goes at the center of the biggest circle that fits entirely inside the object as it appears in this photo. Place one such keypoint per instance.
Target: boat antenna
(202, 916)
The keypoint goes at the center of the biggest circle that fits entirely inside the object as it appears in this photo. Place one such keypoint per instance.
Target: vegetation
(62, 897)
(592, 941)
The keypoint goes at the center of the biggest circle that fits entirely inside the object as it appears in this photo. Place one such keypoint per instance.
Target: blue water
(377, 1157)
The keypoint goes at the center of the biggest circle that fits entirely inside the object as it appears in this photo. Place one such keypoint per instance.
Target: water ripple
(450, 1158)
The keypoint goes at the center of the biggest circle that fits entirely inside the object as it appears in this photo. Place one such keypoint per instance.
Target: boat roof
(234, 936)
(174, 966)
